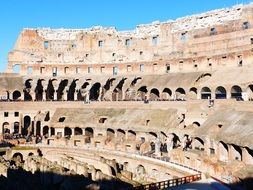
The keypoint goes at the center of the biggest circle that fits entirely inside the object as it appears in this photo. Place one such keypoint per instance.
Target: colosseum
(165, 105)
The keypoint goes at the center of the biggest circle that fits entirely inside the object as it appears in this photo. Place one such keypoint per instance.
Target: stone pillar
(75, 95)
(44, 95)
(55, 95)
(65, 95)
(157, 147)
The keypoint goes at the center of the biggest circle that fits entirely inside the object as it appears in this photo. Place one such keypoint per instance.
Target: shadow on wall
(19, 179)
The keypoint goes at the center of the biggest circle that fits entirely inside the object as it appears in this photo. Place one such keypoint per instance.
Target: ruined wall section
(207, 35)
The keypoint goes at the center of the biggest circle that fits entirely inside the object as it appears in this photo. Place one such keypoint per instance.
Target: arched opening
(131, 135)
(71, 91)
(30, 154)
(117, 94)
(199, 144)
(250, 92)
(223, 150)
(166, 94)
(39, 90)
(6, 128)
(142, 91)
(236, 152)
(18, 157)
(205, 93)
(27, 123)
(78, 131)
(83, 92)
(154, 94)
(180, 94)
(95, 92)
(38, 128)
(16, 127)
(140, 171)
(50, 90)
(220, 93)
(60, 91)
(27, 90)
(152, 135)
(16, 95)
(89, 132)
(193, 93)
(52, 131)
(175, 140)
(110, 133)
(16, 68)
(121, 134)
(196, 124)
(67, 132)
(45, 131)
(236, 92)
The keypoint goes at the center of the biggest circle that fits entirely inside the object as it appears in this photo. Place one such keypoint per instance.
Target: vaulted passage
(50, 91)
(61, 88)
(27, 123)
(16, 95)
(71, 91)
(205, 93)
(117, 94)
(39, 91)
(220, 93)
(95, 92)
(142, 91)
(154, 94)
(236, 92)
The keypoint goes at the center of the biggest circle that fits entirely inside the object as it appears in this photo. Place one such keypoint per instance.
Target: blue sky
(123, 14)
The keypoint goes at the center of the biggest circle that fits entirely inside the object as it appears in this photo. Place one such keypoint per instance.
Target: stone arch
(78, 131)
(30, 154)
(196, 124)
(131, 135)
(117, 94)
(236, 152)
(121, 134)
(220, 93)
(60, 90)
(249, 91)
(223, 151)
(193, 93)
(89, 132)
(199, 143)
(154, 94)
(50, 90)
(95, 92)
(236, 92)
(205, 93)
(71, 91)
(27, 90)
(140, 171)
(6, 128)
(39, 90)
(27, 123)
(204, 77)
(166, 94)
(153, 134)
(110, 133)
(18, 156)
(180, 94)
(142, 91)
(67, 132)
(45, 130)
(16, 127)
(16, 95)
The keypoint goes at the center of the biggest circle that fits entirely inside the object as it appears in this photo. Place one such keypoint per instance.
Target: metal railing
(168, 183)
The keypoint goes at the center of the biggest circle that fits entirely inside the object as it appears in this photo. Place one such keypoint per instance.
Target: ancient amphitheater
(99, 108)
